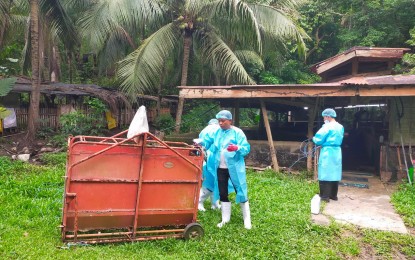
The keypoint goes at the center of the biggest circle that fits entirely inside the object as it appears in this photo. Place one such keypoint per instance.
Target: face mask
(326, 121)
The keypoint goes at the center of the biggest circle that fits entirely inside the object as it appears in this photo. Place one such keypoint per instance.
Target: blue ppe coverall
(210, 180)
(330, 138)
(217, 142)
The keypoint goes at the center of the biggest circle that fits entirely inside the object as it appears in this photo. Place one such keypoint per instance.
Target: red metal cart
(129, 189)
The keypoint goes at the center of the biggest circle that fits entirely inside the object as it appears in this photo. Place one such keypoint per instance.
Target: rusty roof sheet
(358, 51)
(380, 80)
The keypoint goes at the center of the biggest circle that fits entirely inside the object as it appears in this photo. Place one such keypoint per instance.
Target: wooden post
(311, 118)
(179, 112)
(269, 135)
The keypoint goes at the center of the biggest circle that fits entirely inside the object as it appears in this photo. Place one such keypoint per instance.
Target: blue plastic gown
(210, 180)
(330, 138)
(218, 141)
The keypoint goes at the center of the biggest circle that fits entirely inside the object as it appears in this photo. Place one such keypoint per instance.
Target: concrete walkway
(364, 202)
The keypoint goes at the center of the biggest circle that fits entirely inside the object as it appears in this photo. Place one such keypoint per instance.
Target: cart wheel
(193, 231)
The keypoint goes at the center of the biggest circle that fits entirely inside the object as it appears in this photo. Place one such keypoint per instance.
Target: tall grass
(30, 212)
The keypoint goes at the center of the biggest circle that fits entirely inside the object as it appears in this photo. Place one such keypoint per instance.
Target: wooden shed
(377, 108)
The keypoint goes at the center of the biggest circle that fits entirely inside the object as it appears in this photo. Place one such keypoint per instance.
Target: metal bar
(143, 211)
(133, 181)
(114, 136)
(105, 181)
(100, 241)
(76, 220)
(126, 233)
(140, 179)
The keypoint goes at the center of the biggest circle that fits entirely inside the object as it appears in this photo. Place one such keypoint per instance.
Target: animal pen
(130, 189)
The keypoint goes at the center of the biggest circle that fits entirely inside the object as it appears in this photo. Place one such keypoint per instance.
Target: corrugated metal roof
(356, 52)
(380, 80)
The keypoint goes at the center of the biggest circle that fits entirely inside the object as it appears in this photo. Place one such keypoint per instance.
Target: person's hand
(197, 142)
(232, 148)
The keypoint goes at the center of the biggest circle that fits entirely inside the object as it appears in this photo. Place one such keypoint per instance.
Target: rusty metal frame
(134, 234)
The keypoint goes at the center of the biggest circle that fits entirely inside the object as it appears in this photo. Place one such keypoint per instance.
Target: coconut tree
(212, 29)
(209, 31)
(49, 12)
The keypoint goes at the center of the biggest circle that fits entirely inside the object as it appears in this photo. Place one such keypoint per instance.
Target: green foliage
(197, 115)
(404, 202)
(54, 159)
(45, 132)
(6, 85)
(165, 123)
(4, 112)
(249, 117)
(337, 25)
(292, 72)
(407, 66)
(267, 77)
(78, 123)
(9, 60)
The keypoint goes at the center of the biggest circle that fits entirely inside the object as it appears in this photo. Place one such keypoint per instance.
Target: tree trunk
(185, 66)
(35, 94)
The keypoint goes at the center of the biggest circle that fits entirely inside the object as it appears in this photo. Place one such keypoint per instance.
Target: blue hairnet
(224, 114)
(213, 121)
(329, 112)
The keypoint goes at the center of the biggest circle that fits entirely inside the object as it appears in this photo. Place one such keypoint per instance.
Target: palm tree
(35, 94)
(52, 13)
(210, 31)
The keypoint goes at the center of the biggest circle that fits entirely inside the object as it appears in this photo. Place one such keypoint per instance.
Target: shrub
(165, 123)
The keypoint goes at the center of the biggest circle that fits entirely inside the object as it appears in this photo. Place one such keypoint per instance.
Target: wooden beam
(318, 90)
(269, 135)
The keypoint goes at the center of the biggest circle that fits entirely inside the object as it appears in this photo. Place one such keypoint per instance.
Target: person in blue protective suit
(229, 146)
(209, 185)
(330, 138)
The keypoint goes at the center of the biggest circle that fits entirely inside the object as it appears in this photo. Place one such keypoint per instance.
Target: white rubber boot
(215, 204)
(246, 213)
(204, 194)
(226, 214)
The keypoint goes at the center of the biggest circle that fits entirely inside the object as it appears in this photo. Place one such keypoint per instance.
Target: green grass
(30, 212)
(404, 201)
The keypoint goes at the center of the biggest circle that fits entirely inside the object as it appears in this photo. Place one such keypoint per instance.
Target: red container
(141, 188)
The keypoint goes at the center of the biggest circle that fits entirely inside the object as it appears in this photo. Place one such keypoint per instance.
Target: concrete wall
(407, 121)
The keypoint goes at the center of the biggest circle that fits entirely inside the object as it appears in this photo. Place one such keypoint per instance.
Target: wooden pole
(311, 118)
(312, 112)
(269, 135)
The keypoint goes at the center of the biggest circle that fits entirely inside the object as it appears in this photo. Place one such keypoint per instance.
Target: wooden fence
(49, 117)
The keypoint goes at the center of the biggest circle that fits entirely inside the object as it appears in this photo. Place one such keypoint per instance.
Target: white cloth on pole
(139, 124)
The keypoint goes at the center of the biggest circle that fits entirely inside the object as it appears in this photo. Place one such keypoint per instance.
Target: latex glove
(232, 148)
